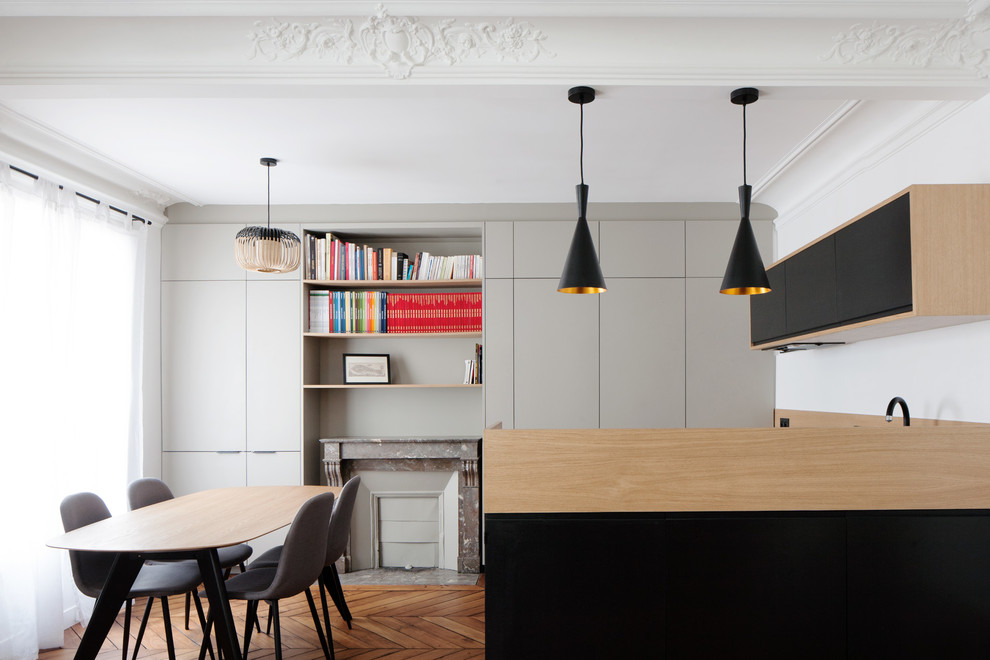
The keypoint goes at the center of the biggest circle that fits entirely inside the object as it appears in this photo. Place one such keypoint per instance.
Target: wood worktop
(750, 469)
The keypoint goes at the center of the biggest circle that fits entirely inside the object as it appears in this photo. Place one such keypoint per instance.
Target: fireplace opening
(409, 529)
(405, 520)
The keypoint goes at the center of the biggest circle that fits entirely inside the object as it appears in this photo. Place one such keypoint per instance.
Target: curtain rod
(86, 197)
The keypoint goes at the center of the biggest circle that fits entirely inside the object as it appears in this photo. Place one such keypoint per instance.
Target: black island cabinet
(911, 585)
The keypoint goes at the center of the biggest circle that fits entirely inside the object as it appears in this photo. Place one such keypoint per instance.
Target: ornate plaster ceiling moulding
(963, 42)
(399, 43)
(159, 198)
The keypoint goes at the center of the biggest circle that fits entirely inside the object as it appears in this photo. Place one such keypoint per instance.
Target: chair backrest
(340, 521)
(305, 547)
(89, 569)
(147, 491)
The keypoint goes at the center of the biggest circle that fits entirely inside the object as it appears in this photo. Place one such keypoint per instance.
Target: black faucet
(904, 409)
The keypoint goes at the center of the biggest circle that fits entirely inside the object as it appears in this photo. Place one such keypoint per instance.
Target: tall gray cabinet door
(540, 247)
(556, 357)
(728, 385)
(497, 357)
(203, 374)
(642, 353)
(274, 361)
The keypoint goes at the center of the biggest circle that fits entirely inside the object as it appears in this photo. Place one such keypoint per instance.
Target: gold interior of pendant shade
(746, 290)
(583, 289)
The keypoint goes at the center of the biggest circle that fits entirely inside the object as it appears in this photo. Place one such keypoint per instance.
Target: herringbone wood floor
(390, 622)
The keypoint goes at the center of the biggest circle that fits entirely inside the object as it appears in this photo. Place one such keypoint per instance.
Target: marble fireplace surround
(342, 457)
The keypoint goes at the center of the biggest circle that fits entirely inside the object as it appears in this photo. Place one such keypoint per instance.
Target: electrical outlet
(785, 422)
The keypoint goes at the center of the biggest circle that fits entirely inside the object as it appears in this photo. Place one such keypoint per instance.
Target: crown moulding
(899, 53)
(398, 44)
(962, 43)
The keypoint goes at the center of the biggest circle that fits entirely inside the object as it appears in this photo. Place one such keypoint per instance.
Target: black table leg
(125, 568)
(209, 568)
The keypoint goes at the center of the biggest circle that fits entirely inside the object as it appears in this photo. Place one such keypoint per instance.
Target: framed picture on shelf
(367, 369)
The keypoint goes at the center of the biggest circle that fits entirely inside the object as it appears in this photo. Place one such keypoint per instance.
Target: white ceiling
(163, 100)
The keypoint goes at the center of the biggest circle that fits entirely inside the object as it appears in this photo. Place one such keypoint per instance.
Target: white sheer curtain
(71, 291)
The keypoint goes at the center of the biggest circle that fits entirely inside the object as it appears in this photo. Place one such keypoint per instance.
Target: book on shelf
(330, 258)
(389, 312)
(472, 368)
(319, 311)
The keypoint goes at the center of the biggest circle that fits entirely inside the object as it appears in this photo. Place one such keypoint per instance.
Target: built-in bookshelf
(345, 311)
(358, 282)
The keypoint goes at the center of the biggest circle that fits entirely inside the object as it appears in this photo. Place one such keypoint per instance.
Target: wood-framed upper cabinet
(917, 261)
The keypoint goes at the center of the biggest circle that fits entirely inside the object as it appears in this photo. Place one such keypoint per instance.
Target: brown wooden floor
(390, 622)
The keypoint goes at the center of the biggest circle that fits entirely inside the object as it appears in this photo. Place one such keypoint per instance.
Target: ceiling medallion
(963, 42)
(399, 43)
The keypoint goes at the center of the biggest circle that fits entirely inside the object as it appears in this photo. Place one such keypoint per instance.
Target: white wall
(942, 374)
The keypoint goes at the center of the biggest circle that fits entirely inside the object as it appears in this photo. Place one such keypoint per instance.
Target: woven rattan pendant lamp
(745, 274)
(582, 272)
(264, 249)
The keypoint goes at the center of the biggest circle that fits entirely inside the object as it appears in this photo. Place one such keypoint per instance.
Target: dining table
(191, 527)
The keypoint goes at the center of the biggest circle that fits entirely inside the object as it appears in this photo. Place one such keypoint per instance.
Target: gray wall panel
(728, 384)
(642, 353)
(556, 357)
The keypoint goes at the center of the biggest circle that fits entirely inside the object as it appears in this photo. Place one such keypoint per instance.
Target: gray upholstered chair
(90, 571)
(148, 491)
(338, 533)
(299, 566)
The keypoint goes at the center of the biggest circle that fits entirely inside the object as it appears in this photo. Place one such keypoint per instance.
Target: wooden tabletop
(207, 519)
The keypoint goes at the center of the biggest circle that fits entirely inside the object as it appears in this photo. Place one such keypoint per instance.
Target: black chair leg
(169, 642)
(257, 624)
(144, 623)
(188, 599)
(127, 628)
(278, 630)
(327, 647)
(268, 628)
(321, 586)
(337, 593)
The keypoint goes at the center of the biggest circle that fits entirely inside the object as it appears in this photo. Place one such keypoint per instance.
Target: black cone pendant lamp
(264, 249)
(745, 274)
(582, 272)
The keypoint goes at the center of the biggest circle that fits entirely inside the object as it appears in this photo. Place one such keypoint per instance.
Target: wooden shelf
(383, 386)
(398, 284)
(353, 335)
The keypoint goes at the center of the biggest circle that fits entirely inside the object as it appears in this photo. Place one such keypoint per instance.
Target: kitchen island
(738, 543)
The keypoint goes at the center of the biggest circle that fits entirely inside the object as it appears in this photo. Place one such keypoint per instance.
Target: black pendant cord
(269, 168)
(744, 143)
(581, 153)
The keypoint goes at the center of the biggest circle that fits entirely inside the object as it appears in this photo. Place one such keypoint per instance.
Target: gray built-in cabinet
(661, 348)
(230, 366)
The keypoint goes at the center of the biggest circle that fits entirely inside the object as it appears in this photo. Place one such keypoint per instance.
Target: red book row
(434, 312)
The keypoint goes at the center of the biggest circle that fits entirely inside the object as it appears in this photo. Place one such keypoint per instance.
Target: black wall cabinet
(873, 264)
(861, 272)
(768, 318)
(810, 291)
